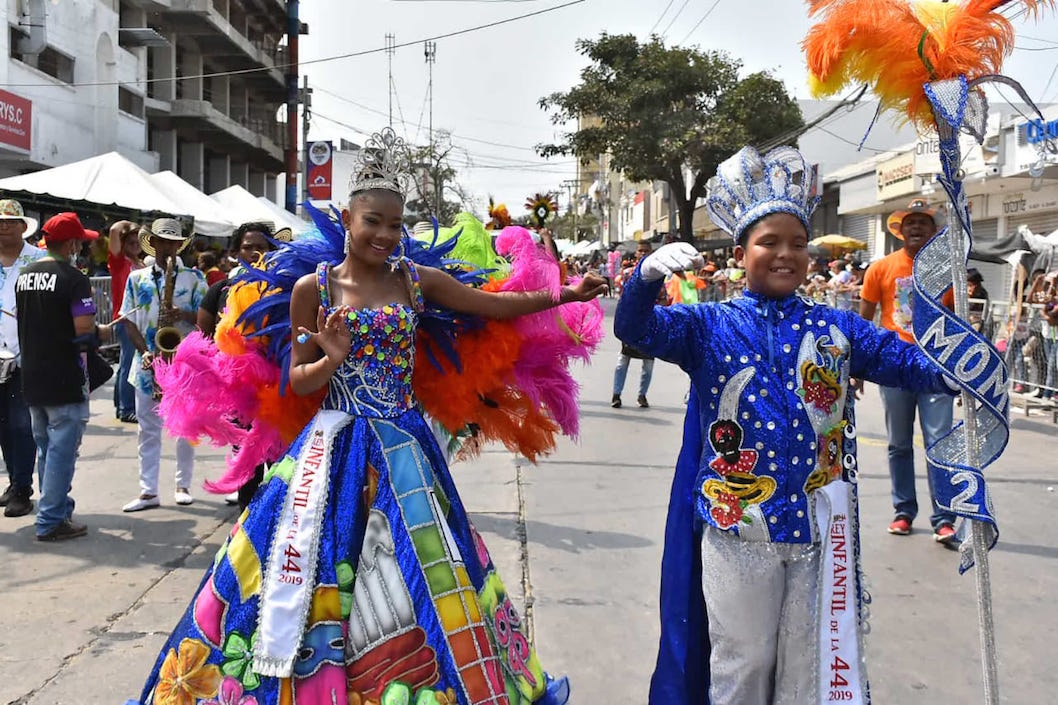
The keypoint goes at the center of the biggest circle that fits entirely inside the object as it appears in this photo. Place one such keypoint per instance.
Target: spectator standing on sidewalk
(56, 323)
(888, 283)
(620, 373)
(143, 301)
(124, 256)
(16, 433)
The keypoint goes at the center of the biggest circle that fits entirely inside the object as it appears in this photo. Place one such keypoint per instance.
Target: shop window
(129, 102)
(50, 61)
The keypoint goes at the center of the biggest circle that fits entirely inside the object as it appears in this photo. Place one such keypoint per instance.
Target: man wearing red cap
(888, 283)
(56, 315)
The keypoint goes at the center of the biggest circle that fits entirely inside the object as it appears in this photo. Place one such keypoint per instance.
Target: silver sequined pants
(761, 600)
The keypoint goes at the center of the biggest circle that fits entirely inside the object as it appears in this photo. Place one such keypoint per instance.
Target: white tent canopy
(241, 206)
(211, 219)
(108, 179)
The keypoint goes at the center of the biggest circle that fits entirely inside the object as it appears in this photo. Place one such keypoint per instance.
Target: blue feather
(270, 316)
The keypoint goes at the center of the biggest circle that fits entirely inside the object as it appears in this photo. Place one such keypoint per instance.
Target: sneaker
(66, 530)
(231, 499)
(142, 502)
(945, 534)
(19, 505)
(183, 497)
(642, 401)
(6, 496)
(616, 401)
(128, 418)
(901, 526)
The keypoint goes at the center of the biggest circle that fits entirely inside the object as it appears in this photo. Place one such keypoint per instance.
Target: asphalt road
(581, 532)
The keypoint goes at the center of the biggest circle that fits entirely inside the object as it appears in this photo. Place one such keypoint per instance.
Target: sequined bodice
(375, 378)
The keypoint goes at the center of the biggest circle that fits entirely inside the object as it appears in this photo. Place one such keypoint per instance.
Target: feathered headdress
(499, 217)
(897, 46)
(541, 206)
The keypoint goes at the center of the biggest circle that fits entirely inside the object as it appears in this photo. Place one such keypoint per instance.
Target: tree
(669, 114)
(434, 190)
(563, 226)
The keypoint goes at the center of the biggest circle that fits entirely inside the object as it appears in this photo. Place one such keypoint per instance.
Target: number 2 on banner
(959, 505)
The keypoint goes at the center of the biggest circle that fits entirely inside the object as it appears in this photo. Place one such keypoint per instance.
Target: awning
(210, 218)
(108, 180)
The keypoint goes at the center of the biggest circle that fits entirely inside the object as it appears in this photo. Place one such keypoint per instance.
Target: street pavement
(578, 537)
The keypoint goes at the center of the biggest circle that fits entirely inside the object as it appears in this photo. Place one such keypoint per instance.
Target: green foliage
(662, 111)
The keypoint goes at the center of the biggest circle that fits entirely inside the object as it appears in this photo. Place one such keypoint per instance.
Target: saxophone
(168, 336)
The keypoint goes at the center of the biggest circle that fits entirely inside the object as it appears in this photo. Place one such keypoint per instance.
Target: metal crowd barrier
(1031, 347)
(103, 301)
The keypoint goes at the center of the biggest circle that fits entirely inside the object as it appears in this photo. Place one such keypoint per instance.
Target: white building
(47, 121)
(86, 77)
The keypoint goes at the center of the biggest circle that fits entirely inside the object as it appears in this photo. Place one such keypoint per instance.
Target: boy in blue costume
(763, 513)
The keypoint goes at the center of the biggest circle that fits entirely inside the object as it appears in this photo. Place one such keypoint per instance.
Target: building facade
(1008, 186)
(193, 86)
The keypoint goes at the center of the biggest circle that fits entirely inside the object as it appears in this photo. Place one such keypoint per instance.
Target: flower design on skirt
(238, 655)
(185, 677)
(231, 693)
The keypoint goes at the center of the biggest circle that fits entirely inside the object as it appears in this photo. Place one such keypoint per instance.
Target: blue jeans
(621, 373)
(16, 434)
(58, 431)
(124, 393)
(935, 414)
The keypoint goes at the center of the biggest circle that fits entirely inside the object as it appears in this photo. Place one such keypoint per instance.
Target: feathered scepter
(927, 59)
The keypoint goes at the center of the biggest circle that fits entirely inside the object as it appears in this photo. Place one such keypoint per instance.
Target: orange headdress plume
(896, 46)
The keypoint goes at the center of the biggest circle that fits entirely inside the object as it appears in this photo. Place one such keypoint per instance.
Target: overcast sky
(487, 83)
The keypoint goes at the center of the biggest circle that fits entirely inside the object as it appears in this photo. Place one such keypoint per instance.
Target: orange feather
(897, 47)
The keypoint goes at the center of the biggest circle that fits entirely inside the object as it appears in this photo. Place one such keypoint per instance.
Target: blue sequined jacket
(772, 378)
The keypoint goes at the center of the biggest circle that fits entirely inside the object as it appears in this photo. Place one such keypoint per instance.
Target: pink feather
(532, 267)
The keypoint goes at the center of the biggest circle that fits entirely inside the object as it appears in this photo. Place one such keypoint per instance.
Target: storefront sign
(927, 156)
(1040, 131)
(320, 171)
(1020, 203)
(16, 121)
(896, 176)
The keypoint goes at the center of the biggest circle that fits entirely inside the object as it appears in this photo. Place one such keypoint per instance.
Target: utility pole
(293, 31)
(570, 184)
(431, 57)
(391, 48)
(306, 117)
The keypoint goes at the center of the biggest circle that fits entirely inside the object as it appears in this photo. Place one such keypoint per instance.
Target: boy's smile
(775, 255)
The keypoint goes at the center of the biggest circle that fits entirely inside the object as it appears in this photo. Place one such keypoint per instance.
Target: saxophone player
(164, 296)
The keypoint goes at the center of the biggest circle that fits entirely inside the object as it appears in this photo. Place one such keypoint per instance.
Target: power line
(675, 17)
(658, 21)
(369, 109)
(699, 22)
(308, 62)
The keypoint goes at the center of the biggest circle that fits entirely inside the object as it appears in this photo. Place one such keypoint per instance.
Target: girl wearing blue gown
(355, 576)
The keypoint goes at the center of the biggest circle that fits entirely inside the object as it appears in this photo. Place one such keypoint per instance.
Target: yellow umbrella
(836, 244)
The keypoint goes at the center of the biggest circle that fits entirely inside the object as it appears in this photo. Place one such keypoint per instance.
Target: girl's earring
(398, 254)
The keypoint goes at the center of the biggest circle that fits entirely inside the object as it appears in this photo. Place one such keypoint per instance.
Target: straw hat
(10, 209)
(166, 229)
(916, 206)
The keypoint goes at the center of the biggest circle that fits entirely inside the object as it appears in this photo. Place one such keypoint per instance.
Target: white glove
(672, 258)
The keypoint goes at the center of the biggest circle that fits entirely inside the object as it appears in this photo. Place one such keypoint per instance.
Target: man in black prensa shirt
(56, 319)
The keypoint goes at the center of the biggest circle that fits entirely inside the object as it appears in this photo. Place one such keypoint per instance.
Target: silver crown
(381, 163)
(748, 187)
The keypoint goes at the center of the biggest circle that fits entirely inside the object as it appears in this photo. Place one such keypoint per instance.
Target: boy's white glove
(672, 258)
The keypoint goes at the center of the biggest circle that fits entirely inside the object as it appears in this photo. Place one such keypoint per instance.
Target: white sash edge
(842, 676)
(285, 604)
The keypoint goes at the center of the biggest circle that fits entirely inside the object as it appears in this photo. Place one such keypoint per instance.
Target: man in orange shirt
(888, 283)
